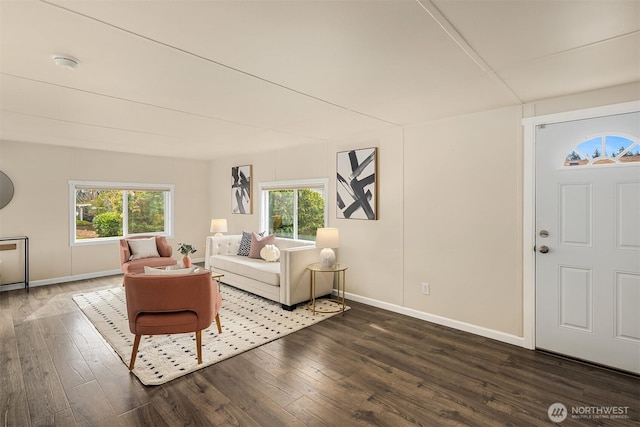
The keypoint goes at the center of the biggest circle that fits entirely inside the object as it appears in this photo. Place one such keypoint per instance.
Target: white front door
(588, 239)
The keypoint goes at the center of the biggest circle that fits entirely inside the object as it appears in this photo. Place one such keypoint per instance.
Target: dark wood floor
(368, 367)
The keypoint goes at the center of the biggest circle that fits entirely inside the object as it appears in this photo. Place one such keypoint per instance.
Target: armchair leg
(199, 346)
(134, 352)
(218, 324)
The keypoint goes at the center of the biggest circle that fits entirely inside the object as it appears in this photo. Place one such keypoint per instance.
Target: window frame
(603, 159)
(120, 186)
(298, 184)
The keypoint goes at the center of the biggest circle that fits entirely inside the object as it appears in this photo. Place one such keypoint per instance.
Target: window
(105, 211)
(294, 209)
(607, 149)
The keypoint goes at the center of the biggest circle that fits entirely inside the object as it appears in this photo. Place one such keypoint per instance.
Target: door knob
(543, 249)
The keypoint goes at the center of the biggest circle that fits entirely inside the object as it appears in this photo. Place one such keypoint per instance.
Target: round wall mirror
(6, 190)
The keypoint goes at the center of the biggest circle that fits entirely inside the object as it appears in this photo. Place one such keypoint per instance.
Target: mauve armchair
(171, 304)
(137, 265)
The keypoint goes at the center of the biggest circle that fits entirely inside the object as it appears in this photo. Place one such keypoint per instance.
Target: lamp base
(327, 258)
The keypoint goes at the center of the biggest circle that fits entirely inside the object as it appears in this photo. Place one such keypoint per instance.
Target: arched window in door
(604, 149)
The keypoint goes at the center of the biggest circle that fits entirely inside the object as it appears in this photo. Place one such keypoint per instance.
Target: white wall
(449, 213)
(462, 215)
(40, 207)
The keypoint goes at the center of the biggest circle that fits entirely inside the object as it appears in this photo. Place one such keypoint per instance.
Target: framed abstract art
(356, 192)
(241, 189)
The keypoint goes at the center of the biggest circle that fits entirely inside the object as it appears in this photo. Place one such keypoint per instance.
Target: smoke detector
(66, 61)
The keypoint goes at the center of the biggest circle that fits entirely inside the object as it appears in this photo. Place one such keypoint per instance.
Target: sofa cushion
(245, 243)
(257, 243)
(257, 269)
(143, 248)
(270, 253)
(137, 265)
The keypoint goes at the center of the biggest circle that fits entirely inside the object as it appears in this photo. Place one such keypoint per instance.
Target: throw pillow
(258, 242)
(143, 248)
(245, 243)
(160, 271)
(270, 253)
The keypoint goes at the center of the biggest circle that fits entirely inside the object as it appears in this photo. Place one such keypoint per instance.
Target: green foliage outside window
(108, 224)
(310, 213)
(108, 201)
(146, 211)
(281, 210)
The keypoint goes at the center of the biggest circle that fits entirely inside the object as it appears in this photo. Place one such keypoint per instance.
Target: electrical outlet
(426, 289)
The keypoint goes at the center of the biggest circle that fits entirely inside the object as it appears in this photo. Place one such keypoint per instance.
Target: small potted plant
(186, 249)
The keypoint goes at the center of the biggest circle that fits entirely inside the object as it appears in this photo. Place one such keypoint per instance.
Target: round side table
(338, 271)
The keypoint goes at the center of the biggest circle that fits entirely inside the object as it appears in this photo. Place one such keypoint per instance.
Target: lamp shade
(327, 238)
(218, 226)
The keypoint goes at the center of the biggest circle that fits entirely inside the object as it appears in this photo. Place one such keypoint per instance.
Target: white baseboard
(63, 279)
(439, 320)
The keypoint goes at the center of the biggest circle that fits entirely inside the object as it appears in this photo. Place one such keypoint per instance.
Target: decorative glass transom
(605, 149)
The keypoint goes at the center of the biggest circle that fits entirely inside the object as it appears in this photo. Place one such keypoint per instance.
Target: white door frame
(529, 203)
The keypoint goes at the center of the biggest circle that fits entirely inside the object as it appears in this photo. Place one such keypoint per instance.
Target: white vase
(327, 258)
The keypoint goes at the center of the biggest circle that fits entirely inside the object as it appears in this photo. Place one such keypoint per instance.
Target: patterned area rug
(248, 321)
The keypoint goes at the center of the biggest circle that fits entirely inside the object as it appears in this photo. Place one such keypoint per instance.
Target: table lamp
(218, 226)
(327, 239)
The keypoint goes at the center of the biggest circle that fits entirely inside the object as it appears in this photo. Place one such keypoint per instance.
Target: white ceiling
(206, 79)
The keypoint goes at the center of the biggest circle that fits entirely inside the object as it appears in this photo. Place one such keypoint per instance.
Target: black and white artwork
(241, 189)
(356, 184)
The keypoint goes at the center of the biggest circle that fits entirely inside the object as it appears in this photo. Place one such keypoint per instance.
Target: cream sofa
(285, 281)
